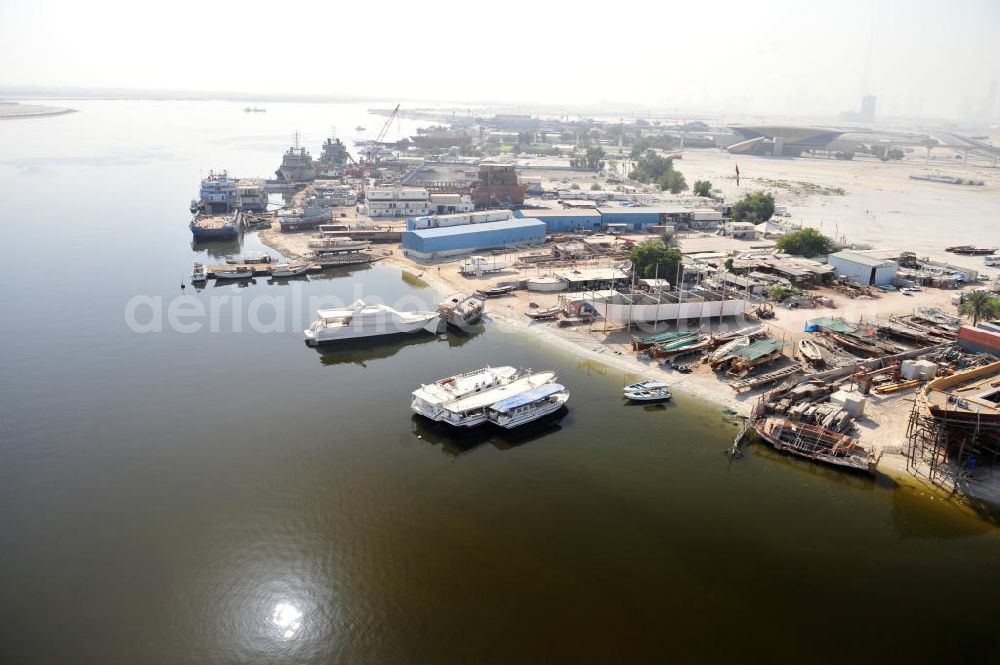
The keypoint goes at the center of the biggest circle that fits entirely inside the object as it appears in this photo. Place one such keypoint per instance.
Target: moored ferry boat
(429, 399)
(528, 406)
(472, 410)
(363, 320)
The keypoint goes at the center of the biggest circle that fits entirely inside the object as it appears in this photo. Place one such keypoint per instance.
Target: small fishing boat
(645, 385)
(198, 275)
(810, 351)
(546, 313)
(239, 272)
(528, 406)
(651, 395)
(284, 270)
(496, 291)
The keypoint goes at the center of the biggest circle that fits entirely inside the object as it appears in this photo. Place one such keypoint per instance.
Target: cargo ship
(216, 227)
(297, 219)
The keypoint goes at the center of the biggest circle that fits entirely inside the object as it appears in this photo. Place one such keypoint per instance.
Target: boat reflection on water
(363, 349)
(457, 441)
(218, 249)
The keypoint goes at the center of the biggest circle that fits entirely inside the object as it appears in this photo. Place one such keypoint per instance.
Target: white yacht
(480, 265)
(472, 410)
(428, 400)
(361, 320)
(528, 406)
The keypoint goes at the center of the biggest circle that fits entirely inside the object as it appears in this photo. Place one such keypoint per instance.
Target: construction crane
(366, 163)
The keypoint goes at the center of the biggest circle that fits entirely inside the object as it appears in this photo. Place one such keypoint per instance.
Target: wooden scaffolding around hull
(948, 451)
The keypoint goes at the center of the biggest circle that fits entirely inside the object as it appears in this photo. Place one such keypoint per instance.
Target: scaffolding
(947, 451)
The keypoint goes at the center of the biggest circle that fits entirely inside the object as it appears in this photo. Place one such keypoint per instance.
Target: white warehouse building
(863, 268)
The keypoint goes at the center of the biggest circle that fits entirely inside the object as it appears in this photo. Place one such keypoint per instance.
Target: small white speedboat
(652, 395)
(285, 270)
(645, 385)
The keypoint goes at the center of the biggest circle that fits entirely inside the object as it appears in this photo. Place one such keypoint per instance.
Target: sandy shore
(883, 428)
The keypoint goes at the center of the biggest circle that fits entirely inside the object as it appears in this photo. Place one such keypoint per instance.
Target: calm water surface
(222, 497)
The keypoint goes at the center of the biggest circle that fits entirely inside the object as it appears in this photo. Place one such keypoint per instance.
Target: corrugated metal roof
(527, 397)
(465, 229)
(561, 212)
(759, 348)
(668, 210)
(863, 259)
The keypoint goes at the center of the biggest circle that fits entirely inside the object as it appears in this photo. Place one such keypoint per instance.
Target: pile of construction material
(813, 403)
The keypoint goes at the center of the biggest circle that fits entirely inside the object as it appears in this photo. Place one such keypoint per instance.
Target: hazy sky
(928, 58)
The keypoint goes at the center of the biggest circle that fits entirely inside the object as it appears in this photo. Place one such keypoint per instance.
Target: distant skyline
(927, 59)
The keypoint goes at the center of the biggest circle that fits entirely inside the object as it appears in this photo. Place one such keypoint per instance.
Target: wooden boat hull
(816, 444)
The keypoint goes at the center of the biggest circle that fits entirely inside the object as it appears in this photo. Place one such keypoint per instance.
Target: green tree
(673, 181)
(779, 293)
(728, 265)
(756, 207)
(651, 258)
(596, 187)
(979, 305)
(651, 167)
(702, 188)
(670, 240)
(805, 242)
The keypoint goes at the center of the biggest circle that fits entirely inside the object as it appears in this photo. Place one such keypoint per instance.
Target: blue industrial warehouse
(560, 221)
(452, 240)
(641, 218)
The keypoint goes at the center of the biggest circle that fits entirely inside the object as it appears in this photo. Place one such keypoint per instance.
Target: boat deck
(490, 397)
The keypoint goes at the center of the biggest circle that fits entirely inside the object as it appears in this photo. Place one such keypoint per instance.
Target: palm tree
(979, 305)
(670, 240)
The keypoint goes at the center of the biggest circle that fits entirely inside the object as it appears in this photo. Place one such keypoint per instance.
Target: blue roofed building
(641, 218)
(442, 242)
(564, 220)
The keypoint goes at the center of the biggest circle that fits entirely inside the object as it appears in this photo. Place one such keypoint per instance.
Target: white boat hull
(552, 405)
(338, 333)
(290, 272)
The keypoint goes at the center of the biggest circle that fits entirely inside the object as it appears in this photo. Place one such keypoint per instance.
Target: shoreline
(892, 464)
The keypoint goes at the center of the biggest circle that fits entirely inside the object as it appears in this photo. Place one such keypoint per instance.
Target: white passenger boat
(428, 400)
(528, 406)
(361, 320)
(198, 275)
(289, 270)
(239, 272)
(471, 411)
